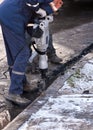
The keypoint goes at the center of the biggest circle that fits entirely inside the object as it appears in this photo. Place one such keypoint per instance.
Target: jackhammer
(40, 42)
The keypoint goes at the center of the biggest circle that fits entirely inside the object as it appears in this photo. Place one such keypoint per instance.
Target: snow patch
(64, 112)
(80, 81)
(58, 113)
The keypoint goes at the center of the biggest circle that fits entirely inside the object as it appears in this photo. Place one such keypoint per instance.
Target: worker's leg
(18, 72)
(50, 47)
(10, 59)
(51, 52)
(20, 54)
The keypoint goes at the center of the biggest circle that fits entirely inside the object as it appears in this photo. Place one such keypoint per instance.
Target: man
(14, 17)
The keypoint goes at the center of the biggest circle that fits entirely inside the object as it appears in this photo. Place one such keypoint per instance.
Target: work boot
(54, 59)
(17, 99)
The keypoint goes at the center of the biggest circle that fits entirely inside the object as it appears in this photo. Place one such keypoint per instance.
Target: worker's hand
(42, 13)
(56, 5)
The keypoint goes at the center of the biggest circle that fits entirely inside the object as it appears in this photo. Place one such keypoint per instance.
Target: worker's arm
(35, 5)
(44, 7)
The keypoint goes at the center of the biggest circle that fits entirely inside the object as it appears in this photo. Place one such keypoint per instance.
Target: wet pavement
(72, 34)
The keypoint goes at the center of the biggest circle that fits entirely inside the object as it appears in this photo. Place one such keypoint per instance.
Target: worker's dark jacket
(15, 14)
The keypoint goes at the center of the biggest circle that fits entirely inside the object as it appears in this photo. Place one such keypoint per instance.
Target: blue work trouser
(18, 54)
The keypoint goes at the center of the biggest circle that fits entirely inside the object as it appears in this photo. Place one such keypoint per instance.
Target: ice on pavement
(67, 112)
(81, 81)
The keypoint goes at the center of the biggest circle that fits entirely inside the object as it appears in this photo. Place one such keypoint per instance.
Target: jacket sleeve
(44, 1)
(47, 8)
(34, 4)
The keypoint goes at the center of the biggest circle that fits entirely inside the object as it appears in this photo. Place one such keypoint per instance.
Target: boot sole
(16, 103)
